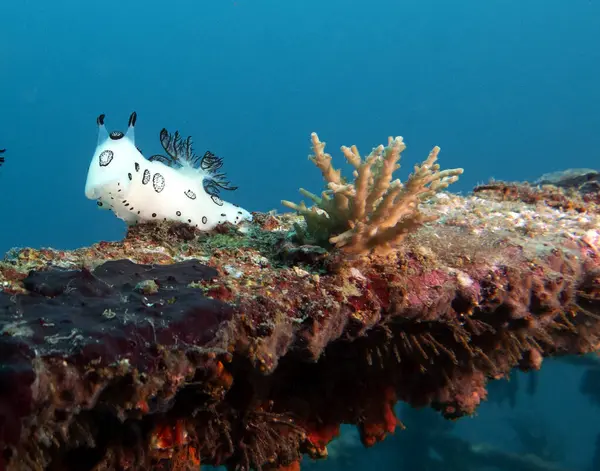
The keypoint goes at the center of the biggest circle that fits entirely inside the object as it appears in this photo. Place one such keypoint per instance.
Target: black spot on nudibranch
(190, 194)
(178, 213)
(99, 203)
(215, 199)
(106, 157)
(130, 176)
(160, 158)
(146, 177)
(116, 135)
(158, 182)
(204, 219)
(137, 167)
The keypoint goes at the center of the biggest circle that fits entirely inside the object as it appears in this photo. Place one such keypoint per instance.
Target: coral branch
(374, 213)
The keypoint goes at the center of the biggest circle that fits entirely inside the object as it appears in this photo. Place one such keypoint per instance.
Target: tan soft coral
(375, 212)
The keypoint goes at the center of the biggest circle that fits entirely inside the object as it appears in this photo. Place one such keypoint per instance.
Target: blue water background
(508, 88)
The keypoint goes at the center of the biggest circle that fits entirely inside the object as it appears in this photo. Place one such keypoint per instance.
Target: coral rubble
(173, 348)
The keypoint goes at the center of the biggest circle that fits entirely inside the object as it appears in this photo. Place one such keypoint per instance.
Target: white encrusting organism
(177, 187)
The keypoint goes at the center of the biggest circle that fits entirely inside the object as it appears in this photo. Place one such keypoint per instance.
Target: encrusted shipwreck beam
(172, 348)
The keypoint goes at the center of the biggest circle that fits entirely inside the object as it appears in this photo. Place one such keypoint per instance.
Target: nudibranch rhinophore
(180, 186)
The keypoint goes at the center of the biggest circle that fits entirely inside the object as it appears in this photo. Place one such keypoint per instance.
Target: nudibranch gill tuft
(180, 186)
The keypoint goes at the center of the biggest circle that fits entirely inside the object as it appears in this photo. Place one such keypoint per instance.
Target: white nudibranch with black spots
(177, 187)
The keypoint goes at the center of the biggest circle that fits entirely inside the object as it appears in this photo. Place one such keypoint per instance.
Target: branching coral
(375, 212)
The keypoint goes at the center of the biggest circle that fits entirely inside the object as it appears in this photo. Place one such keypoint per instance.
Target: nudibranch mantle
(179, 187)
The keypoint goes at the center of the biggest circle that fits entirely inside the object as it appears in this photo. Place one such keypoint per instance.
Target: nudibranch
(180, 186)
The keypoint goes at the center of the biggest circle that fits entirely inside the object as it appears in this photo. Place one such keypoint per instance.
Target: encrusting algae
(248, 347)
